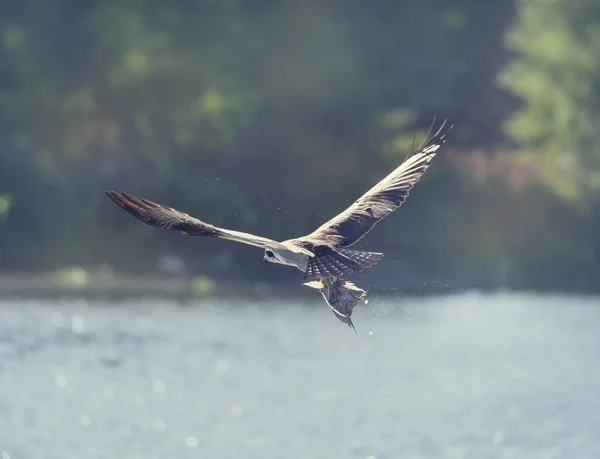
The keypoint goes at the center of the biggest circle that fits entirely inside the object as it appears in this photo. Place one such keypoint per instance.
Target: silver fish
(341, 296)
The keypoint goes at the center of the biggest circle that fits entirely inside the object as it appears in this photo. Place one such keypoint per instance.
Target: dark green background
(271, 117)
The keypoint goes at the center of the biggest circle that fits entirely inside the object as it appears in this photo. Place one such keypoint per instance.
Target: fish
(341, 296)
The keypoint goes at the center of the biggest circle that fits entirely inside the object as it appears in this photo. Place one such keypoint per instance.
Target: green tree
(556, 73)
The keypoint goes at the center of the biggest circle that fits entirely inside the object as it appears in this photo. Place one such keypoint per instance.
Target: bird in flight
(324, 253)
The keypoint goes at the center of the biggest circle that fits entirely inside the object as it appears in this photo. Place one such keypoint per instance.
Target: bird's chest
(298, 260)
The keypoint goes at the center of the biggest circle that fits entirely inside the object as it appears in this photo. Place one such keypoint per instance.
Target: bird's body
(322, 254)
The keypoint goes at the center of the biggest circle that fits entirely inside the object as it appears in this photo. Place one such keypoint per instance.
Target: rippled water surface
(464, 376)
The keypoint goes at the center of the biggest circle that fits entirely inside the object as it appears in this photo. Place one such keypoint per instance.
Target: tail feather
(363, 259)
(337, 264)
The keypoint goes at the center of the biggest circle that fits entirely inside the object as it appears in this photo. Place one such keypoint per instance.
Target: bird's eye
(269, 253)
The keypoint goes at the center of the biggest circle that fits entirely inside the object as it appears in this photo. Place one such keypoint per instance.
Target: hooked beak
(265, 259)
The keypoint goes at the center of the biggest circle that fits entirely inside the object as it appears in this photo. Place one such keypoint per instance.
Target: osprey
(322, 254)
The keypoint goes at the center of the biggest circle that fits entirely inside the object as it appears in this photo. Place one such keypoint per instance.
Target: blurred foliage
(5, 203)
(202, 285)
(270, 117)
(556, 72)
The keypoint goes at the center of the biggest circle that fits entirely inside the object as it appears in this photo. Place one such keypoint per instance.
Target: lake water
(462, 376)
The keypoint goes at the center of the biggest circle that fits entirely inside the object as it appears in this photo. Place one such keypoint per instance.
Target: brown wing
(381, 200)
(164, 217)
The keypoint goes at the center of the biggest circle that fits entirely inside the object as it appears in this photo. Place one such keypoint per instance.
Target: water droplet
(370, 333)
(158, 387)
(77, 324)
(60, 380)
(366, 301)
(4, 455)
(159, 424)
(237, 411)
(85, 420)
(192, 442)
(371, 457)
(222, 365)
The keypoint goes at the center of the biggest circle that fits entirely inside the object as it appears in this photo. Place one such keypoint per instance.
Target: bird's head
(269, 256)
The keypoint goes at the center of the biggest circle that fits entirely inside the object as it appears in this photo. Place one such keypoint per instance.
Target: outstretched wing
(381, 200)
(164, 217)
